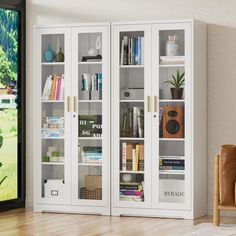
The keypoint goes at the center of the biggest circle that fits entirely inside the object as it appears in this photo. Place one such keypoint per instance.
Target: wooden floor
(27, 223)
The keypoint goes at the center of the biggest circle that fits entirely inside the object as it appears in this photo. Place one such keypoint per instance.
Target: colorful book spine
(124, 156)
(58, 88)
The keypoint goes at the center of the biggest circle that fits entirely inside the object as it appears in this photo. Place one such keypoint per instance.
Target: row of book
(132, 156)
(171, 164)
(91, 82)
(133, 123)
(132, 51)
(131, 191)
(53, 127)
(54, 88)
(91, 154)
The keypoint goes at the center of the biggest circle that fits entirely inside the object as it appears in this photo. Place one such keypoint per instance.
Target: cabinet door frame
(156, 28)
(115, 193)
(38, 199)
(105, 30)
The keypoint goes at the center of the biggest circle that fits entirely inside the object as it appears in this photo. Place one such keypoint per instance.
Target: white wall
(220, 15)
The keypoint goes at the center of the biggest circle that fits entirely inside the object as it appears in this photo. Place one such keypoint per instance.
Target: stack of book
(131, 191)
(53, 127)
(132, 51)
(171, 164)
(91, 82)
(133, 123)
(169, 60)
(54, 88)
(92, 154)
(132, 157)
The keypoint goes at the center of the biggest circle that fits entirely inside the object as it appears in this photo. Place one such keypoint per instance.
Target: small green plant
(1, 142)
(177, 81)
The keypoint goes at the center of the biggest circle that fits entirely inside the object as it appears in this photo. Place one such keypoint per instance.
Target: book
(58, 88)
(122, 52)
(142, 50)
(125, 50)
(90, 125)
(124, 151)
(141, 158)
(129, 163)
(62, 88)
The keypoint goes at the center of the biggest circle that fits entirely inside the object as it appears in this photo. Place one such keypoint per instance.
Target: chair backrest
(227, 174)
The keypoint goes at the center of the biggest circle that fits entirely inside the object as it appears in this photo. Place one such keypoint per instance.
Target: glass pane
(53, 117)
(90, 83)
(132, 116)
(172, 116)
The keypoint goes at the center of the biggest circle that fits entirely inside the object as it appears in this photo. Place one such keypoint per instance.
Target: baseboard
(222, 213)
(29, 203)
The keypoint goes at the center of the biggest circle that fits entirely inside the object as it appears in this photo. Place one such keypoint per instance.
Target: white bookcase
(172, 131)
(157, 163)
(72, 151)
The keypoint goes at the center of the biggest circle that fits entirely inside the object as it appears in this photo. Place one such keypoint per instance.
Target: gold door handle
(154, 103)
(68, 103)
(75, 104)
(148, 103)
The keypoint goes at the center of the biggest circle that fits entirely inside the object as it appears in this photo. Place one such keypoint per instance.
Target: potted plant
(177, 82)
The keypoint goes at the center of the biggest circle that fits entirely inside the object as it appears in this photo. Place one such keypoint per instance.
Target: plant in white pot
(177, 82)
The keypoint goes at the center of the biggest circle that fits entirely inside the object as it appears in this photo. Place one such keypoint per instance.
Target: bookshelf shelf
(171, 100)
(53, 101)
(52, 137)
(171, 65)
(132, 139)
(90, 63)
(172, 139)
(171, 172)
(90, 101)
(131, 172)
(89, 164)
(53, 63)
(131, 100)
(53, 163)
(131, 66)
(90, 138)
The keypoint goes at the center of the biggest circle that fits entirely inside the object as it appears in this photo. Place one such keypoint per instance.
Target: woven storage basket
(95, 194)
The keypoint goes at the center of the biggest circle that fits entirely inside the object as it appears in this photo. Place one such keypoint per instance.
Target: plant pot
(176, 93)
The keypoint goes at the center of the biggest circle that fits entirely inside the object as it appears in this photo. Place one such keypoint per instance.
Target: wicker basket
(95, 194)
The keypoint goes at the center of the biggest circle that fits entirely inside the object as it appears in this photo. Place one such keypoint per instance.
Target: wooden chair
(218, 206)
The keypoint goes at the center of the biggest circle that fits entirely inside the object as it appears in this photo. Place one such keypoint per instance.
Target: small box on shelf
(54, 188)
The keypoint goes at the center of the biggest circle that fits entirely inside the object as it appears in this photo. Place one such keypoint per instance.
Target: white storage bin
(54, 188)
(172, 190)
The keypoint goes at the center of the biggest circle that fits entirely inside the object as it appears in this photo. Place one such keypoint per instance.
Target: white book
(133, 159)
(62, 90)
(93, 81)
(124, 156)
(48, 86)
(45, 89)
(142, 50)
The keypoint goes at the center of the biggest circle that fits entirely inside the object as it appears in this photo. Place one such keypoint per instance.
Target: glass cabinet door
(90, 124)
(171, 115)
(53, 117)
(131, 114)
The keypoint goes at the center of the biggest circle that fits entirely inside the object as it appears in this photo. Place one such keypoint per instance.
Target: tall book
(129, 149)
(125, 51)
(141, 158)
(53, 89)
(142, 50)
(124, 150)
(133, 159)
(62, 88)
(122, 52)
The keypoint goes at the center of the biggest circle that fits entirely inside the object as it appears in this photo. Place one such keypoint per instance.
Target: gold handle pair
(154, 103)
(68, 104)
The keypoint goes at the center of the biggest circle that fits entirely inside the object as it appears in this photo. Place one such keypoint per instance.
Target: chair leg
(216, 213)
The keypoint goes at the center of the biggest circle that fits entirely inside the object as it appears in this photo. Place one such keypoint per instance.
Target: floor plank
(28, 223)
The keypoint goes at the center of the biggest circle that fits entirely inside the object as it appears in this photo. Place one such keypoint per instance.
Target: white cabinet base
(105, 211)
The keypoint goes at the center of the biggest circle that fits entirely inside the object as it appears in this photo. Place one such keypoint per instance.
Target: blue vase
(49, 54)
